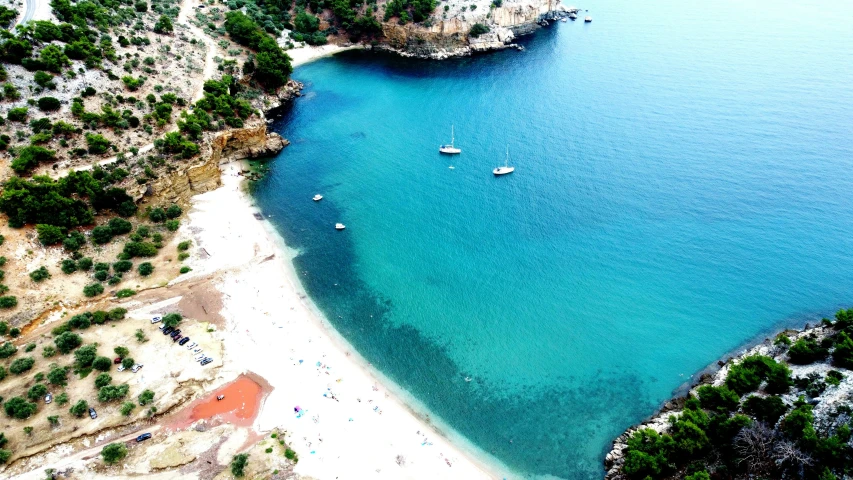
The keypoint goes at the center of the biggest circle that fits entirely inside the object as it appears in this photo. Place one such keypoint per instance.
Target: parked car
(163, 327)
(175, 332)
(92, 413)
(121, 368)
(206, 361)
(184, 341)
(191, 346)
(136, 367)
(143, 437)
(168, 330)
(48, 398)
(156, 319)
(199, 357)
(177, 337)
(197, 350)
(117, 360)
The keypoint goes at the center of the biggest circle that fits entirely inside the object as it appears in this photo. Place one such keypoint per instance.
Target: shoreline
(354, 421)
(307, 54)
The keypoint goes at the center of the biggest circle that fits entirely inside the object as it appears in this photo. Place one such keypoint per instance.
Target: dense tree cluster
(272, 65)
(68, 202)
(746, 429)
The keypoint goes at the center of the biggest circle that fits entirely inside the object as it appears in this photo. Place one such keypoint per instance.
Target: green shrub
(75, 241)
(58, 376)
(48, 351)
(146, 397)
(746, 376)
(85, 356)
(185, 269)
(17, 407)
(79, 409)
(14, 332)
(102, 234)
(647, 454)
(478, 29)
(18, 114)
(145, 269)
(93, 289)
(22, 365)
(84, 264)
(115, 452)
(183, 246)
(29, 158)
(157, 215)
(40, 274)
(97, 144)
(30, 347)
(37, 392)
(172, 225)
(49, 234)
(102, 380)
(48, 104)
(140, 249)
(120, 226)
(798, 425)
(128, 362)
(718, 399)
(109, 393)
(7, 350)
(102, 363)
(67, 342)
(172, 319)
(101, 275)
(8, 302)
(842, 356)
(125, 292)
(122, 266)
(238, 465)
(806, 351)
(834, 377)
(62, 399)
(69, 266)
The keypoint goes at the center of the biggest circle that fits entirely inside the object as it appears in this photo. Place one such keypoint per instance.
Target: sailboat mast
(452, 137)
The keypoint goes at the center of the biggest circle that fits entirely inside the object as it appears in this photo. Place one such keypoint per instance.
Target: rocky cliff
(252, 141)
(447, 33)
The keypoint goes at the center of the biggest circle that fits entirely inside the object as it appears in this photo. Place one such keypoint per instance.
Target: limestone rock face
(448, 37)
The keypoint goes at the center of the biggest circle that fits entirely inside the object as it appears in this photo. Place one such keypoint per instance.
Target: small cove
(681, 188)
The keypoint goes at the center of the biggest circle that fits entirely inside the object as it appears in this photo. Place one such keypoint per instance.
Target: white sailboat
(506, 168)
(451, 149)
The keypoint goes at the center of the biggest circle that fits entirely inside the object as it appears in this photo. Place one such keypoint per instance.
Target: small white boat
(449, 149)
(506, 168)
(573, 16)
(563, 20)
(340, 226)
(587, 19)
(318, 197)
(452, 167)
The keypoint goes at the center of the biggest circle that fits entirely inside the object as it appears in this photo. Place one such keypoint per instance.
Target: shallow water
(682, 186)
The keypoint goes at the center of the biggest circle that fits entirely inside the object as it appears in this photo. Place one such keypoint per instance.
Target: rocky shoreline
(825, 417)
(451, 38)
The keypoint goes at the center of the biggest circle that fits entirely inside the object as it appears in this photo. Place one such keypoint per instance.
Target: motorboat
(318, 197)
(340, 226)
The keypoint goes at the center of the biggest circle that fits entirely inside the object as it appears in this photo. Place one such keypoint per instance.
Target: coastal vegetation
(761, 421)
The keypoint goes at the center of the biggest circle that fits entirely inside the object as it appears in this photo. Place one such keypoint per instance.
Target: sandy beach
(340, 419)
(302, 55)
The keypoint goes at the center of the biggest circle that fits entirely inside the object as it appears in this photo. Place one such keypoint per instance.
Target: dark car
(176, 338)
(168, 330)
(143, 437)
(175, 333)
(117, 360)
(93, 413)
(184, 341)
(206, 361)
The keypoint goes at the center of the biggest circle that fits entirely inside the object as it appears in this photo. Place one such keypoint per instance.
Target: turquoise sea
(683, 186)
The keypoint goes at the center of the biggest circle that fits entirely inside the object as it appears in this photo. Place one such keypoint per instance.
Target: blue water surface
(683, 186)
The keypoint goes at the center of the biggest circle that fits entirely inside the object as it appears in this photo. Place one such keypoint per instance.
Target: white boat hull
(340, 226)
(317, 198)
(503, 170)
(449, 150)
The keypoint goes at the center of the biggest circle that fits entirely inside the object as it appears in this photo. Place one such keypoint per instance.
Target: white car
(136, 367)
(192, 345)
(48, 398)
(120, 368)
(156, 319)
(199, 356)
(197, 350)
